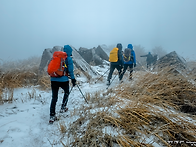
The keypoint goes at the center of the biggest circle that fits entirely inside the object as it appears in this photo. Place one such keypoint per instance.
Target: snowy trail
(25, 121)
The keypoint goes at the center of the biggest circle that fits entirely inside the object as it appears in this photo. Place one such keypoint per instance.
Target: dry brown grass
(62, 127)
(163, 89)
(44, 82)
(15, 79)
(146, 110)
(16, 74)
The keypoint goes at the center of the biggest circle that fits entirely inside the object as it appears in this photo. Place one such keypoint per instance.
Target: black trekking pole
(82, 93)
(101, 76)
(67, 97)
(111, 81)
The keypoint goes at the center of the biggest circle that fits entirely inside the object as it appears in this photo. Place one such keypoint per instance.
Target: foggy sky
(28, 27)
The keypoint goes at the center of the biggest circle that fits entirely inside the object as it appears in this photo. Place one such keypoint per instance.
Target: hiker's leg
(65, 87)
(112, 67)
(55, 89)
(131, 70)
(123, 72)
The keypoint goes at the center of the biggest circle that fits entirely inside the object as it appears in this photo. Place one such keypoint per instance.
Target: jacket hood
(130, 46)
(68, 50)
(119, 46)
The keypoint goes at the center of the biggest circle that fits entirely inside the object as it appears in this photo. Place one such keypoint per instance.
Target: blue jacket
(132, 53)
(69, 63)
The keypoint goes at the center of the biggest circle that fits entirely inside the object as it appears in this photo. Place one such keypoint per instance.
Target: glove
(134, 64)
(73, 82)
(121, 66)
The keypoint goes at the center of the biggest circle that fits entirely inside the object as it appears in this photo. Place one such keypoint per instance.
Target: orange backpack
(57, 64)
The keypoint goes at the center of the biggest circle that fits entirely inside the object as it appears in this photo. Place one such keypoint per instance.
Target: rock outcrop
(172, 61)
(94, 56)
(81, 64)
(78, 61)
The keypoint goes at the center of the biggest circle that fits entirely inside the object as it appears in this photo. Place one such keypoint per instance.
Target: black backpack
(127, 56)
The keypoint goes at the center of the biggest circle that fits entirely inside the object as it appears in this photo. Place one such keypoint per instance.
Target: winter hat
(119, 46)
(130, 46)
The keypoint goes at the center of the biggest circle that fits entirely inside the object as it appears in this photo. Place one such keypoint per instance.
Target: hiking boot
(52, 119)
(63, 110)
(108, 83)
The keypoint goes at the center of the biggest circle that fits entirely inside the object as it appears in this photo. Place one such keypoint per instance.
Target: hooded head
(149, 52)
(130, 46)
(119, 46)
(68, 50)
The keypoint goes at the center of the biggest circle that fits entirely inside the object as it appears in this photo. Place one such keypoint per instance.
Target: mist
(29, 27)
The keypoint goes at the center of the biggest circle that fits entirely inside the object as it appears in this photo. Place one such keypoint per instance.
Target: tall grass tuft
(16, 74)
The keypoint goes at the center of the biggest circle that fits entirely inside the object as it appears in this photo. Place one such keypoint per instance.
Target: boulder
(46, 57)
(86, 54)
(94, 56)
(78, 61)
(101, 53)
(81, 64)
(57, 48)
(172, 61)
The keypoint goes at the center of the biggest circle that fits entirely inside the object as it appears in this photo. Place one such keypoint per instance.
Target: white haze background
(28, 27)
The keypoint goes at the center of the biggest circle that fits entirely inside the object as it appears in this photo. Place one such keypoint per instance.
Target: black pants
(112, 68)
(148, 65)
(125, 68)
(55, 88)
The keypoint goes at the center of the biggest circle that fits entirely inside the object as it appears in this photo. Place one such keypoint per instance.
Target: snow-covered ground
(24, 122)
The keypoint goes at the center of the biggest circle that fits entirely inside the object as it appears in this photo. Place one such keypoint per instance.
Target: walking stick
(67, 97)
(82, 93)
(111, 81)
(101, 76)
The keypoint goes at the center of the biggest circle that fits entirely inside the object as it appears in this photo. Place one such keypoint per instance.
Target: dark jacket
(149, 58)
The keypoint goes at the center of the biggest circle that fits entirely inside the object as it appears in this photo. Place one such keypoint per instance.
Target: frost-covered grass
(15, 74)
(153, 109)
(146, 111)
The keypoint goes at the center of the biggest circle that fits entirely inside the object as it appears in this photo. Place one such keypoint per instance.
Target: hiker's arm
(70, 67)
(134, 58)
(144, 56)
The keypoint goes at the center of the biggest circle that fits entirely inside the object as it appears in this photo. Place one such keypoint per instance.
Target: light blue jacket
(69, 63)
(133, 54)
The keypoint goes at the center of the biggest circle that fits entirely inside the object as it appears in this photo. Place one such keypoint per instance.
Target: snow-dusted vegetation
(153, 109)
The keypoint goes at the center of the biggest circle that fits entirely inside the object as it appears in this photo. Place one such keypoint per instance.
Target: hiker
(148, 59)
(62, 82)
(129, 59)
(116, 61)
